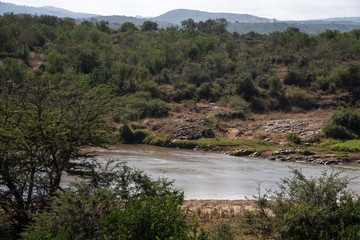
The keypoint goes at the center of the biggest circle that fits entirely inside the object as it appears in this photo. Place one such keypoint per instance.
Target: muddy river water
(204, 175)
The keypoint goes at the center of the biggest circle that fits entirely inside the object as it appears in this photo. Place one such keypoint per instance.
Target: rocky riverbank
(215, 128)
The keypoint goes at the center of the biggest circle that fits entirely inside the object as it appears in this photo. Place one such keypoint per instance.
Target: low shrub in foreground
(307, 208)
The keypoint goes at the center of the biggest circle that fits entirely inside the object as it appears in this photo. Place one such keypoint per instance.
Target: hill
(48, 10)
(178, 15)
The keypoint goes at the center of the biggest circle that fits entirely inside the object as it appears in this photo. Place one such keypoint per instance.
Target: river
(205, 175)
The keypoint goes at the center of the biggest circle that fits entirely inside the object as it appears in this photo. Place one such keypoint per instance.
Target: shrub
(140, 135)
(299, 97)
(141, 105)
(222, 231)
(348, 118)
(307, 208)
(292, 137)
(236, 103)
(126, 134)
(332, 130)
(155, 108)
(134, 207)
(207, 133)
(162, 142)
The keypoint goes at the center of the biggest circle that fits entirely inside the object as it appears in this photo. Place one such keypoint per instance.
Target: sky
(279, 9)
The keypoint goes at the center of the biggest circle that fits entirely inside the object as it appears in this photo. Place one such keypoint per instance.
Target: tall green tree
(44, 124)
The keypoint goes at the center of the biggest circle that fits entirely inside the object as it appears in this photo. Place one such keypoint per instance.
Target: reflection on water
(204, 175)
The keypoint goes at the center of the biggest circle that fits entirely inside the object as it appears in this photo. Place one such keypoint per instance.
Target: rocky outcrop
(302, 127)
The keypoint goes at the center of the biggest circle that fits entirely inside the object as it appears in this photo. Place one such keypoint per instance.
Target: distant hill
(241, 23)
(308, 28)
(178, 15)
(59, 12)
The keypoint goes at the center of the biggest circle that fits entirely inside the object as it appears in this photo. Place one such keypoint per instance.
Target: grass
(348, 146)
(257, 145)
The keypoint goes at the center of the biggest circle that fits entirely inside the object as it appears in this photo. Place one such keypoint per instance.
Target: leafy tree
(148, 26)
(246, 88)
(42, 131)
(188, 24)
(103, 26)
(128, 27)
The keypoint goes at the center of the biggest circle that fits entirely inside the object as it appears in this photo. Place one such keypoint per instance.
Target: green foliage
(292, 137)
(184, 144)
(222, 231)
(117, 202)
(348, 146)
(43, 129)
(344, 124)
(141, 105)
(305, 208)
(348, 118)
(149, 26)
(245, 87)
(332, 130)
(207, 132)
(157, 141)
(148, 218)
(128, 136)
(128, 27)
(299, 97)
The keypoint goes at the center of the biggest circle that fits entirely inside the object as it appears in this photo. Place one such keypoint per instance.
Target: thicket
(306, 208)
(148, 68)
(344, 124)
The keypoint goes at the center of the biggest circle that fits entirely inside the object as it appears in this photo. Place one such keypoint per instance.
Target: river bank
(213, 128)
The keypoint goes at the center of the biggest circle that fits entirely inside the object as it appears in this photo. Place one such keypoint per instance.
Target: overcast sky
(279, 9)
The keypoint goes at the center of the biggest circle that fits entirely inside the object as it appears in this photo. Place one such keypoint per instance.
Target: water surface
(204, 175)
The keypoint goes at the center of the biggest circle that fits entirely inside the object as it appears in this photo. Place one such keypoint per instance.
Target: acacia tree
(43, 127)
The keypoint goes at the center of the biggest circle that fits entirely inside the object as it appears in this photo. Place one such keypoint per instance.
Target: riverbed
(207, 175)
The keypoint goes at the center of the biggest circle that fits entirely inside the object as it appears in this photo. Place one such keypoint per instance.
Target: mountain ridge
(240, 23)
(177, 15)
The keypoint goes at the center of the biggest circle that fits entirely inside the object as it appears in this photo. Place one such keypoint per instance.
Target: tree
(188, 24)
(42, 130)
(149, 26)
(128, 27)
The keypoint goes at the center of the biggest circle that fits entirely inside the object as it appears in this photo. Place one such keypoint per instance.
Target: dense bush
(344, 124)
(121, 203)
(307, 208)
(332, 130)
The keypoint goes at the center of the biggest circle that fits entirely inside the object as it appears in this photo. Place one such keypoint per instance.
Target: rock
(301, 127)
(239, 133)
(287, 151)
(331, 162)
(255, 154)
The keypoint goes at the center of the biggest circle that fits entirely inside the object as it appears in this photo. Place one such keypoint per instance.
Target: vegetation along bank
(64, 86)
